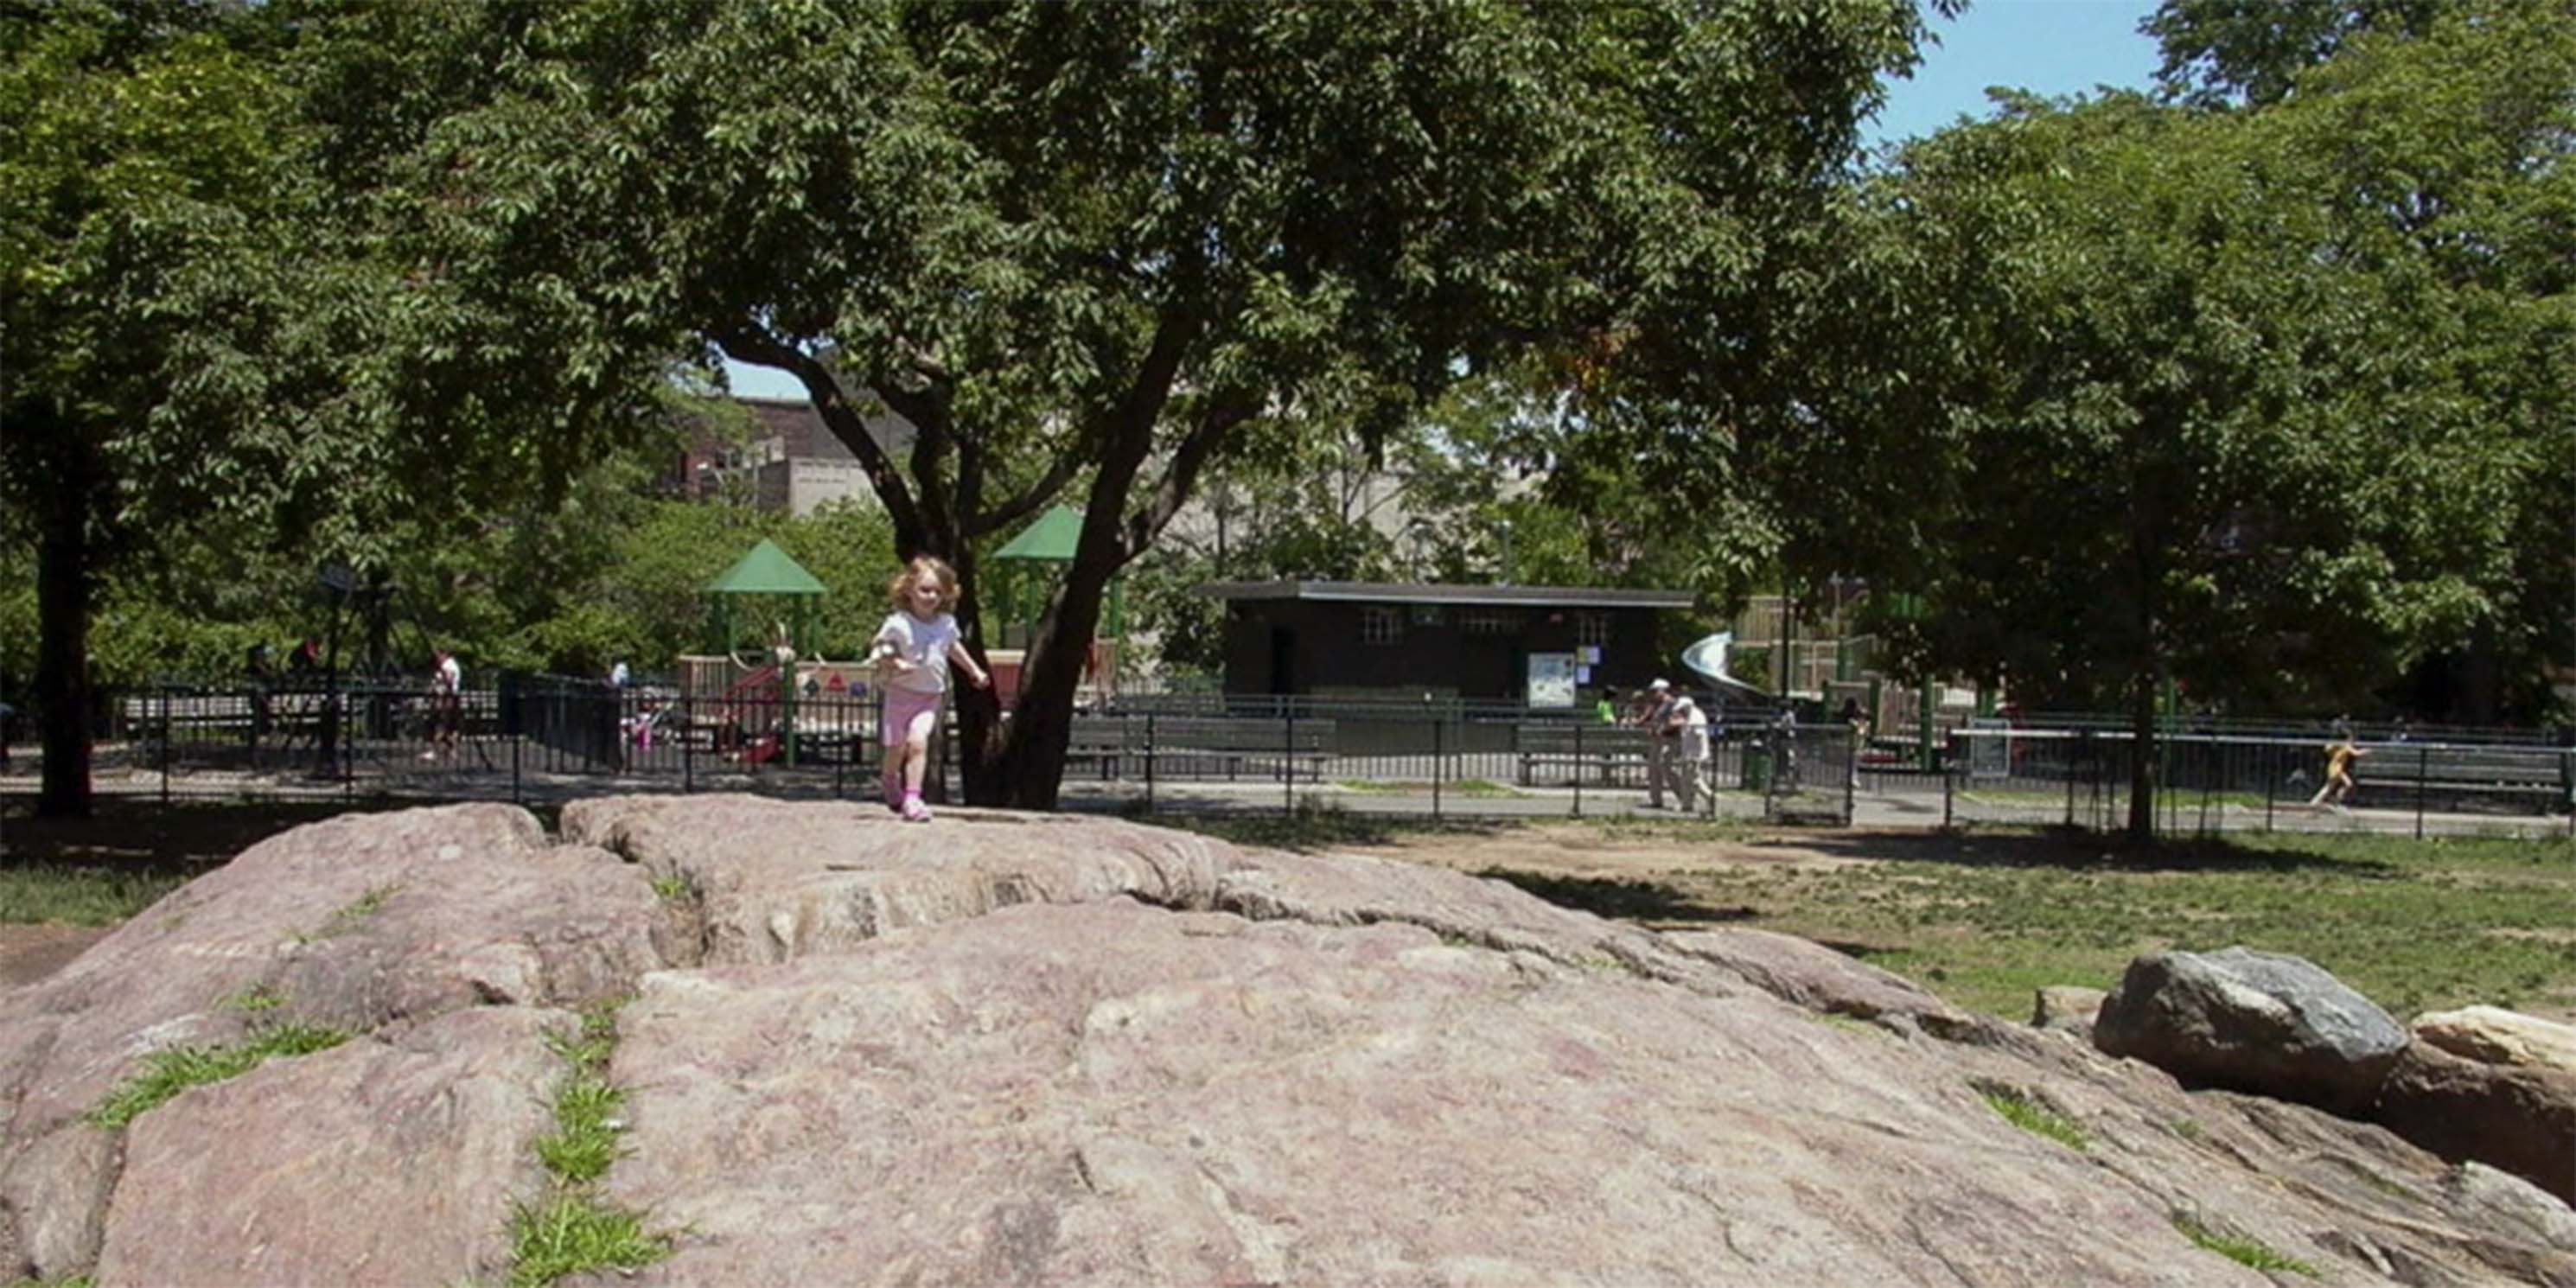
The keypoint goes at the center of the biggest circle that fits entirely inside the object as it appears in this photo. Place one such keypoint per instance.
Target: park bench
(1200, 746)
(2527, 775)
(1609, 755)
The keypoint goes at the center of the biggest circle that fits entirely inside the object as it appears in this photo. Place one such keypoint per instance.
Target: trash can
(1757, 765)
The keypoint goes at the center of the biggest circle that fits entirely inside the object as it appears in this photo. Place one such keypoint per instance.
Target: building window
(1381, 625)
(1427, 615)
(1592, 629)
(1490, 621)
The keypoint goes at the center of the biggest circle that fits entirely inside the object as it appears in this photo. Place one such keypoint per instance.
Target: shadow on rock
(1650, 901)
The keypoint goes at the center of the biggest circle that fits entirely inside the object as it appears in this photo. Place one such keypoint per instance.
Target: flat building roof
(1372, 592)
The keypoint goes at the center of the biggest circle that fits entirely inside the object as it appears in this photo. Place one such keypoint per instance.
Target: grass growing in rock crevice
(167, 1073)
(2027, 1112)
(574, 1228)
(2238, 1248)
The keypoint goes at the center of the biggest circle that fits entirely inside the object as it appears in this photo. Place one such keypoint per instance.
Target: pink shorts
(909, 716)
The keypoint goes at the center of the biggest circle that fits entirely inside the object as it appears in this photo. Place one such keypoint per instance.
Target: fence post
(2422, 755)
(1578, 769)
(1949, 767)
(1435, 766)
(1851, 772)
(165, 744)
(1150, 757)
(1288, 759)
(515, 741)
(2271, 758)
(688, 745)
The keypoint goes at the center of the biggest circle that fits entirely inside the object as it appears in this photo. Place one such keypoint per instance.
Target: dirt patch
(30, 953)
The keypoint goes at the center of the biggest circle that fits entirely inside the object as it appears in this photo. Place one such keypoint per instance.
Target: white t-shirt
(925, 645)
(1694, 730)
(451, 677)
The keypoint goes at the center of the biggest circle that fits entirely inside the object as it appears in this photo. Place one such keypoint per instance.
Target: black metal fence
(545, 737)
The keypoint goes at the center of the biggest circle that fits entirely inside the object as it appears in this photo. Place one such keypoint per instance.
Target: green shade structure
(767, 570)
(1049, 540)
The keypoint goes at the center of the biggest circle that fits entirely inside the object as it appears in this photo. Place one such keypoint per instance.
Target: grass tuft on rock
(573, 1232)
(2021, 1110)
(167, 1073)
(2238, 1248)
(575, 1229)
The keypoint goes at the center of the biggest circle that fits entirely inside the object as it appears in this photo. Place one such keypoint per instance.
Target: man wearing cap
(1662, 734)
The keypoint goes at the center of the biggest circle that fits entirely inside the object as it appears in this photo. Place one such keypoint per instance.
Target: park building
(1546, 646)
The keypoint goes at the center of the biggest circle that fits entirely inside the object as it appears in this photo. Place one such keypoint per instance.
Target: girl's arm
(965, 661)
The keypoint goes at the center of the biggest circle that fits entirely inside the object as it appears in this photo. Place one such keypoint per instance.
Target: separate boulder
(2519, 1120)
(2265, 1023)
(2068, 1008)
(2494, 1035)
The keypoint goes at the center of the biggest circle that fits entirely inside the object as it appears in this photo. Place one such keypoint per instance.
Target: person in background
(617, 674)
(2340, 755)
(1691, 739)
(446, 705)
(1663, 738)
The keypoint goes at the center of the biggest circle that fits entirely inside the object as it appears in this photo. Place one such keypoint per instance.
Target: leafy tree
(1088, 247)
(2251, 51)
(138, 157)
(2246, 400)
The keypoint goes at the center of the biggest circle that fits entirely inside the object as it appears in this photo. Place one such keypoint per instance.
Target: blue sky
(2053, 47)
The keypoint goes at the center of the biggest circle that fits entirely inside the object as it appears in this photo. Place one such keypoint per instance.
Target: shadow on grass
(1649, 901)
(2076, 850)
(1306, 832)
(183, 838)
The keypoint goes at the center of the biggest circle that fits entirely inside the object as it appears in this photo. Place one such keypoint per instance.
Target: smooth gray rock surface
(2267, 1023)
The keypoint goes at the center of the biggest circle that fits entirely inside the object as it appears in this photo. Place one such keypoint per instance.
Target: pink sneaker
(914, 811)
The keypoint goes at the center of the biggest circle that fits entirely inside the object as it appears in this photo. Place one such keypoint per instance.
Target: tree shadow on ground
(182, 838)
(1625, 900)
(1307, 832)
(2076, 850)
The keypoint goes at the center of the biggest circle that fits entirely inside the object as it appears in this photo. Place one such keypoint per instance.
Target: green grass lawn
(2416, 925)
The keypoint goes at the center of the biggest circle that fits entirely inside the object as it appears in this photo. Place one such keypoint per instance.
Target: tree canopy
(1082, 247)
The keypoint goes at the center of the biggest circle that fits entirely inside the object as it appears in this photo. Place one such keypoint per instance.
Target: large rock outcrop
(999, 1049)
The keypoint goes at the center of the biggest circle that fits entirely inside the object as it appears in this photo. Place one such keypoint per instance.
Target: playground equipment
(749, 709)
(1708, 658)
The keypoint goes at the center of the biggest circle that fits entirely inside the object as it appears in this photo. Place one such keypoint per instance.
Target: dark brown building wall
(1469, 651)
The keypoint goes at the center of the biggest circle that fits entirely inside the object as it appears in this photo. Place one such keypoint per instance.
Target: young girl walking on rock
(913, 651)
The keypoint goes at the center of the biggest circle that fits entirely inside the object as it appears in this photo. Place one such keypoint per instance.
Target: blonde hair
(900, 589)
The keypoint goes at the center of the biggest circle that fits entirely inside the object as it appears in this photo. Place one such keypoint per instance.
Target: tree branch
(749, 343)
(1180, 478)
(1029, 499)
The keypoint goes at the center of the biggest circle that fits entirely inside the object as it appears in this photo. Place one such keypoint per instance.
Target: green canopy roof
(767, 570)
(1051, 538)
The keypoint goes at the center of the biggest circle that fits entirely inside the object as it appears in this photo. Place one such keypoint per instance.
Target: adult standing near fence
(1663, 739)
(1690, 734)
(446, 706)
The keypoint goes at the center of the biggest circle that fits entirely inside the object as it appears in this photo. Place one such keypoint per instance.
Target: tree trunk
(1024, 766)
(2142, 756)
(62, 688)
